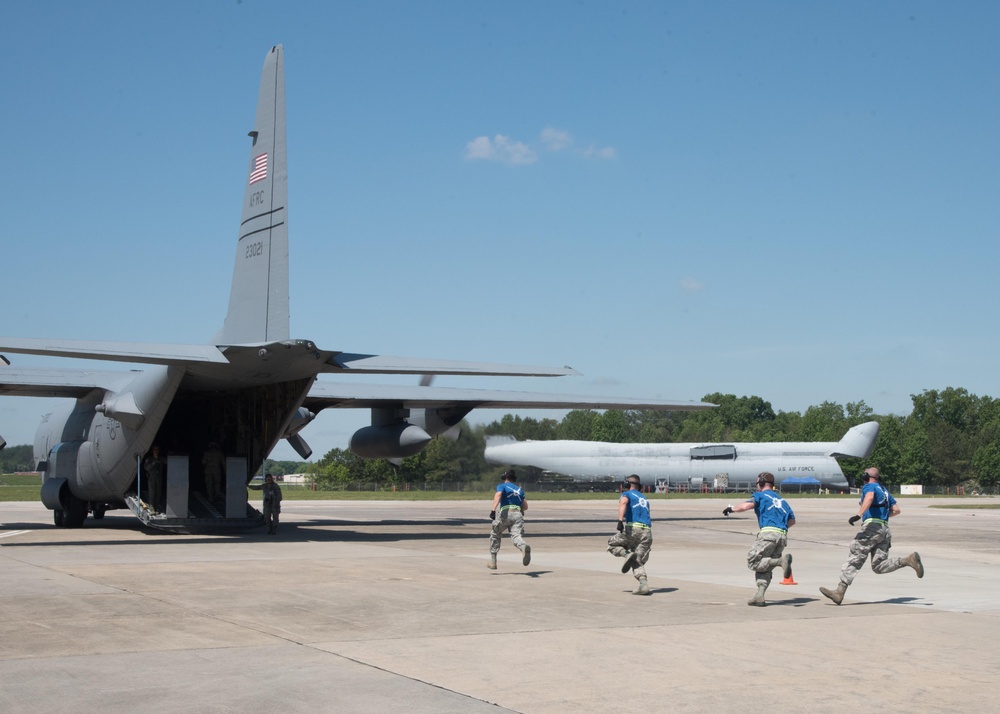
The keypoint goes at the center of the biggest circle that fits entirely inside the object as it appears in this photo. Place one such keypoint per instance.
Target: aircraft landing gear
(75, 513)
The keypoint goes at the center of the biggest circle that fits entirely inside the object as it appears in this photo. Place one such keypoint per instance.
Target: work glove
(727, 510)
(853, 519)
(493, 515)
(621, 527)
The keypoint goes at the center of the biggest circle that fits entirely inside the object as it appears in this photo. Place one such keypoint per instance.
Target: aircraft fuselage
(90, 450)
(691, 465)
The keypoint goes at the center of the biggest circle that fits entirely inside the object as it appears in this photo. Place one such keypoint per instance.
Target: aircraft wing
(384, 364)
(74, 383)
(141, 352)
(195, 355)
(323, 395)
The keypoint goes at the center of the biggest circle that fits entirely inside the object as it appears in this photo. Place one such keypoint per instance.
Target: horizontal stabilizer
(140, 352)
(324, 395)
(383, 364)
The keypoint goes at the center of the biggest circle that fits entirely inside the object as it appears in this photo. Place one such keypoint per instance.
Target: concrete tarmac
(376, 606)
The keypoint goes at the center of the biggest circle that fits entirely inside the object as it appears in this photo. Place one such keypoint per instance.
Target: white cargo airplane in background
(246, 389)
(692, 466)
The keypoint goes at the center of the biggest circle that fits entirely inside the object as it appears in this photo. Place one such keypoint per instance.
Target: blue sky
(796, 201)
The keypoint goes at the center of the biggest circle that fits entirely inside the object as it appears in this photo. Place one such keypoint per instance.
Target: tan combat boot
(913, 560)
(643, 588)
(836, 595)
(758, 599)
(492, 565)
(786, 565)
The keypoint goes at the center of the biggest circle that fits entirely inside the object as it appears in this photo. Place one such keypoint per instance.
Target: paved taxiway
(375, 606)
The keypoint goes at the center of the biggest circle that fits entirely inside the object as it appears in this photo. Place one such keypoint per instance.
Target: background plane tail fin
(258, 298)
(859, 441)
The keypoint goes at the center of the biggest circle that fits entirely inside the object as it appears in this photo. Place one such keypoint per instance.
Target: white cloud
(690, 285)
(556, 139)
(598, 152)
(505, 150)
(479, 148)
(501, 148)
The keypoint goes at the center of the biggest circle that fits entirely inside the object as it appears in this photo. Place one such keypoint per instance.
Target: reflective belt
(504, 508)
(875, 520)
(639, 525)
(772, 529)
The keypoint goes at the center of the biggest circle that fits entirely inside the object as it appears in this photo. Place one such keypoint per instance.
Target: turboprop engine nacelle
(389, 441)
(299, 421)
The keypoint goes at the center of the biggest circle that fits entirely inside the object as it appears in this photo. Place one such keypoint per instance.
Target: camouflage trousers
(513, 520)
(213, 485)
(769, 544)
(874, 539)
(639, 540)
(271, 516)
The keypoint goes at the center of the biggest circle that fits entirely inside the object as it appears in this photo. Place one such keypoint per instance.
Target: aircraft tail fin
(859, 441)
(258, 298)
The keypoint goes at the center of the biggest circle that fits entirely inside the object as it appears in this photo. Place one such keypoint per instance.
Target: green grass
(20, 480)
(20, 487)
(970, 504)
(26, 487)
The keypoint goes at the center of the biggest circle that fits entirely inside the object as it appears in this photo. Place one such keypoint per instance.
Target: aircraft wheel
(99, 512)
(75, 513)
(59, 518)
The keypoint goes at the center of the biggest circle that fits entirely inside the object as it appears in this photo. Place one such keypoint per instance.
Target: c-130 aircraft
(249, 387)
(692, 466)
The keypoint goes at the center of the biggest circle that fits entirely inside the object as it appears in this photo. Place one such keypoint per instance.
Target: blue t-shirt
(882, 503)
(772, 510)
(510, 495)
(637, 509)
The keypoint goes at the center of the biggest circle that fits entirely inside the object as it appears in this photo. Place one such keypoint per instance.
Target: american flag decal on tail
(259, 172)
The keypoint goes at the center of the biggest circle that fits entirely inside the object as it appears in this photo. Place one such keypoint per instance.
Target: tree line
(950, 438)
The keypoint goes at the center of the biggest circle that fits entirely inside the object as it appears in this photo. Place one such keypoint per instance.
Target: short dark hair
(510, 475)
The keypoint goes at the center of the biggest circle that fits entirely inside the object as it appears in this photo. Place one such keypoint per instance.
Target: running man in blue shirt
(774, 518)
(635, 533)
(877, 506)
(511, 504)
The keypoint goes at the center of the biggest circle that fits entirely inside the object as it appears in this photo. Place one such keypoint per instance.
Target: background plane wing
(74, 383)
(385, 364)
(141, 352)
(324, 395)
